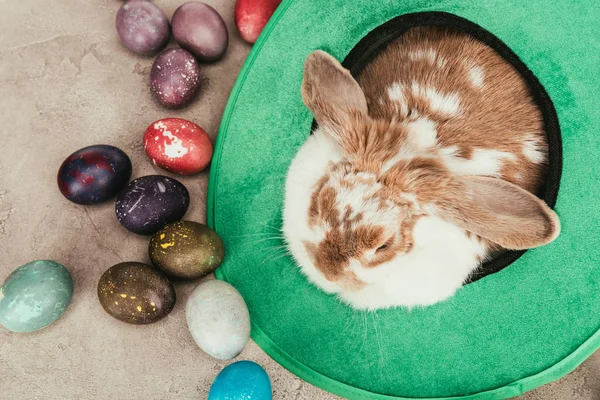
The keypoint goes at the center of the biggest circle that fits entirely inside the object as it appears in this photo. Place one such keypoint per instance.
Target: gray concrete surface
(65, 83)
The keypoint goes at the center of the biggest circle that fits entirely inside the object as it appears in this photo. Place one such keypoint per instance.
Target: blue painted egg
(94, 174)
(243, 380)
(35, 295)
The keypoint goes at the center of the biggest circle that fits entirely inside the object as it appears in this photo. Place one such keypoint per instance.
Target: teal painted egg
(34, 296)
(243, 380)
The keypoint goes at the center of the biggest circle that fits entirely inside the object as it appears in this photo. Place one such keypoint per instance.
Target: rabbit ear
(331, 93)
(502, 213)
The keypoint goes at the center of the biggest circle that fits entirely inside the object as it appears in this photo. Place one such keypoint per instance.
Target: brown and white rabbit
(419, 169)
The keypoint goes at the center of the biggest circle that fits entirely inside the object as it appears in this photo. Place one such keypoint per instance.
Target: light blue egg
(34, 296)
(218, 319)
(243, 380)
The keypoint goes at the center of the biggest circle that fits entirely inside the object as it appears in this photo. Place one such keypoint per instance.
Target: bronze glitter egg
(136, 293)
(186, 249)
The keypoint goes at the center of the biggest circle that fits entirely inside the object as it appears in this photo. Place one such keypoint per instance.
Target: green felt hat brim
(507, 333)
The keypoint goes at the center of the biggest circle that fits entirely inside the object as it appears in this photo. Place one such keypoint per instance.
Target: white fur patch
(422, 137)
(422, 133)
(448, 151)
(483, 162)
(396, 94)
(354, 196)
(476, 76)
(448, 104)
(429, 55)
(533, 151)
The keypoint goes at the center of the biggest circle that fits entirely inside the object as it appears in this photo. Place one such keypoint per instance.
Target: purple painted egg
(143, 27)
(94, 174)
(175, 77)
(150, 202)
(200, 29)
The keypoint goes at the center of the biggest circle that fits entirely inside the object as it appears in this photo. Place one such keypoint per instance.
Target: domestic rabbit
(419, 169)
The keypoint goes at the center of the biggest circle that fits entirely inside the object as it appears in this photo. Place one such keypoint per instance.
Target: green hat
(532, 319)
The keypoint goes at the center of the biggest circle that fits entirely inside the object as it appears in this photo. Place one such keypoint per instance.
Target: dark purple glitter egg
(143, 27)
(150, 202)
(94, 174)
(175, 77)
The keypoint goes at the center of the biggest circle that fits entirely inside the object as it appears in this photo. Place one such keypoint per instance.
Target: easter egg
(34, 296)
(251, 16)
(175, 78)
(142, 27)
(186, 249)
(218, 319)
(178, 146)
(136, 293)
(241, 380)
(150, 202)
(94, 174)
(200, 29)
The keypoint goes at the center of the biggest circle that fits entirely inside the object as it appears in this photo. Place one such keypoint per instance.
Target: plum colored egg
(251, 16)
(241, 380)
(200, 29)
(94, 174)
(178, 146)
(142, 27)
(186, 249)
(150, 202)
(136, 293)
(175, 78)
(218, 319)
(34, 296)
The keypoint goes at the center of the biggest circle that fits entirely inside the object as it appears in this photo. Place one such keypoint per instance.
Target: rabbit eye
(382, 247)
(385, 246)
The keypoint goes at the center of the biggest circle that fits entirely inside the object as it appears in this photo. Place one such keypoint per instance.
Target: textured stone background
(65, 83)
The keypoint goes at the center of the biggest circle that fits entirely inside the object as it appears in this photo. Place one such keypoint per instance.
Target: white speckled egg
(218, 319)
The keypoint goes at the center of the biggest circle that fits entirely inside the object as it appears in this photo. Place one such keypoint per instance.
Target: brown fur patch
(426, 177)
(313, 210)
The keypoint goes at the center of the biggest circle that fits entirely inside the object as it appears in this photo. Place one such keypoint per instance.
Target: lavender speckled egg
(150, 202)
(200, 29)
(218, 319)
(142, 27)
(175, 78)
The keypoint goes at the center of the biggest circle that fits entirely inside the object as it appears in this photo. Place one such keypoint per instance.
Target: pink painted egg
(178, 145)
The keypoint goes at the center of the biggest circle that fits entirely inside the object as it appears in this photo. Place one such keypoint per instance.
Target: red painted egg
(251, 16)
(178, 146)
